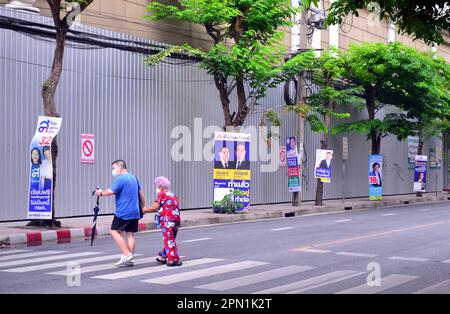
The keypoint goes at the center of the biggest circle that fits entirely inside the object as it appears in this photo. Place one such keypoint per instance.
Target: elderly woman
(166, 204)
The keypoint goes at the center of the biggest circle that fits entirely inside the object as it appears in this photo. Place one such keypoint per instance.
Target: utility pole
(301, 94)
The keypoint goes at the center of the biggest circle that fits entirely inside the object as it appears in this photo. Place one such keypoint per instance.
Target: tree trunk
(242, 103)
(48, 96)
(421, 142)
(376, 142)
(221, 85)
(324, 142)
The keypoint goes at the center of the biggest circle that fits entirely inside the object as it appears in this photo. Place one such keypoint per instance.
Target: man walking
(128, 194)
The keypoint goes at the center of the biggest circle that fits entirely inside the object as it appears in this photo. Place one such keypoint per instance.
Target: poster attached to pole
(41, 168)
(420, 173)
(375, 177)
(324, 165)
(232, 170)
(294, 170)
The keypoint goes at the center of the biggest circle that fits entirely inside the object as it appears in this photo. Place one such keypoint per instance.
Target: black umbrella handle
(98, 197)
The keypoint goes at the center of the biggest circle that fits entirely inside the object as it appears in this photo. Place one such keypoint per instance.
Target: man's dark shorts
(124, 225)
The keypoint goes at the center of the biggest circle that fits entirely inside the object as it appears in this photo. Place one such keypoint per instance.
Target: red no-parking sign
(87, 148)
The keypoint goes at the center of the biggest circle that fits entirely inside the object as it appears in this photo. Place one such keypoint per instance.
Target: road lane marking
(370, 235)
(440, 288)
(390, 214)
(425, 209)
(155, 269)
(32, 254)
(46, 259)
(388, 282)
(7, 251)
(279, 229)
(201, 273)
(255, 278)
(412, 259)
(311, 283)
(311, 250)
(196, 240)
(357, 254)
(343, 220)
(106, 266)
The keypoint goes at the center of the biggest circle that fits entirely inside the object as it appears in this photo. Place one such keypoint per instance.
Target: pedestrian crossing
(207, 274)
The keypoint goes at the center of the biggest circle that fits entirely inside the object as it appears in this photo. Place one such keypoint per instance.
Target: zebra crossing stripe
(155, 269)
(314, 282)
(7, 251)
(32, 254)
(440, 288)
(388, 282)
(100, 267)
(46, 259)
(195, 274)
(60, 264)
(255, 278)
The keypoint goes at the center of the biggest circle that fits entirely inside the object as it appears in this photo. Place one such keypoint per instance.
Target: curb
(37, 238)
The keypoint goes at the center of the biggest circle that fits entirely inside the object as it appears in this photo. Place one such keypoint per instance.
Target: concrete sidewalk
(15, 233)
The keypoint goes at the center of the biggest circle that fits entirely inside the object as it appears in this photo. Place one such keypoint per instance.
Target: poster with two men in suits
(232, 167)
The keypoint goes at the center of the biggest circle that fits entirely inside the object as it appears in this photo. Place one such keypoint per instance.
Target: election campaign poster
(293, 163)
(420, 173)
(324, 164)
(375, 177)
(41, 168)
(232, 168)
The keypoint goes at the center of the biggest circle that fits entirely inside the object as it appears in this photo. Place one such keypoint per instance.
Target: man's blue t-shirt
(126, 188)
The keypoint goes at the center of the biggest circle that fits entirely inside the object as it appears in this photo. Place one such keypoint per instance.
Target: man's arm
(142, 198)
(107, 192)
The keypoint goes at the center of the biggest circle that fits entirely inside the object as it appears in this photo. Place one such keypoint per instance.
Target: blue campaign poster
(375, 177)
(41, 168)
(420, 173)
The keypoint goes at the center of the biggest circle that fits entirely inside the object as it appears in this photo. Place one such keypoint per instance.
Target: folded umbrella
(94, 221)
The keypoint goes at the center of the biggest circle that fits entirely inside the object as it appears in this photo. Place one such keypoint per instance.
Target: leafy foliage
(425, 20)
(246, 48)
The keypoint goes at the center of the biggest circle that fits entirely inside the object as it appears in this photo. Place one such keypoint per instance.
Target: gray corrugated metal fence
(132, 110)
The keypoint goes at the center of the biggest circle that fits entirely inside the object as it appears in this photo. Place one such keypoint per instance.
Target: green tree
(425, 100)
(327, 102)
(62, 23)
(246, 56)
(425, 20)
(379, 69)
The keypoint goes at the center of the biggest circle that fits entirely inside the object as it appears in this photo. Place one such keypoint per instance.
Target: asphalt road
(402, 249)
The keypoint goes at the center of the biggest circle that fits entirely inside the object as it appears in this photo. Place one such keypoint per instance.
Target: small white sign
(87, 148)
(345, 148)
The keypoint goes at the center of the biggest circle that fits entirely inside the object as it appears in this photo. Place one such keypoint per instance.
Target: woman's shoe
(175, 263)
(161, 260)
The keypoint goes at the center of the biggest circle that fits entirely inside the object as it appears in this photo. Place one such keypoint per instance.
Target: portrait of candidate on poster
(223, 155)
(291, 147)
(324, 164)
(375, 174)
